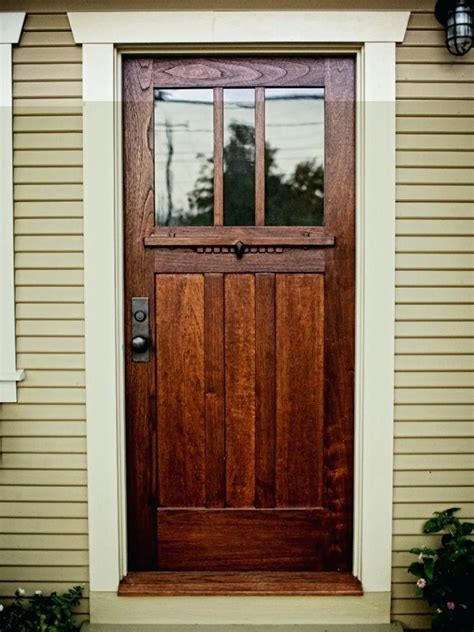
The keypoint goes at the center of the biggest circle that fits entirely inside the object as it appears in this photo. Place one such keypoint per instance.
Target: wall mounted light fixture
(457, 17)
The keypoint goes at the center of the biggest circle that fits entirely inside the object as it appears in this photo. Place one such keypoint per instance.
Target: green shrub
(446, 575)
(41, 613)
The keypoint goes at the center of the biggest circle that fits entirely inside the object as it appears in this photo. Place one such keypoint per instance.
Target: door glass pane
(239, 157)
(184, 157)
(294, 156)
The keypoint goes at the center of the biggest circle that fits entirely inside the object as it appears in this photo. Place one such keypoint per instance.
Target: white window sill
(8, 382)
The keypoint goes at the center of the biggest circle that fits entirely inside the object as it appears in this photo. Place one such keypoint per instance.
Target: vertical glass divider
(218, 156)
(259, 156)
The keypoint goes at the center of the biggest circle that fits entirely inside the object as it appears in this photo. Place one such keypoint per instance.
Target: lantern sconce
(456, 17)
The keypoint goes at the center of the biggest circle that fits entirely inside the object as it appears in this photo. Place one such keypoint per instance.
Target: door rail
(231, 236)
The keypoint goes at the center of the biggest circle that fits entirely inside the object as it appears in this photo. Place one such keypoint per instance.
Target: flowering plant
(40, 613)
(446, 575)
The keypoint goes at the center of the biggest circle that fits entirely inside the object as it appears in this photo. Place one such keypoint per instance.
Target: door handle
(140, 329)
(139, 344)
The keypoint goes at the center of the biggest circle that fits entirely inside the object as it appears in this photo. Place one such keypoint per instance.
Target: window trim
(11, 25)
(372, 37)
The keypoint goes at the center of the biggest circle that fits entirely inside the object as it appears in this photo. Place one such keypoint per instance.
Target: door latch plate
(140, 328)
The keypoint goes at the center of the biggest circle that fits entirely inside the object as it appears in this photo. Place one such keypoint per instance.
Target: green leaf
(451, 511)
(432, 526)
(429, 567)
(417, 568)
(467, 528)
(427, 551)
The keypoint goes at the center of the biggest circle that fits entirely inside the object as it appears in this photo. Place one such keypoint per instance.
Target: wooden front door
(239, 300)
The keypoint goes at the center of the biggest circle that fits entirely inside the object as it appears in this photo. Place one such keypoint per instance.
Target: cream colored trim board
(102, 342)
(11, 25)
(222, 611)
(192, 27)
(10, 30)
(104, 338)
(375, 318)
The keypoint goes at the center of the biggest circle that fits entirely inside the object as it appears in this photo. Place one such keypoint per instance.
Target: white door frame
(371, 36)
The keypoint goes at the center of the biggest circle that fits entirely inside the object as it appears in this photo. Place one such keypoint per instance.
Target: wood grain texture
(238, 71)
(218, 156)
(242, 539)
(265, 390)
(180, 393)
(299, 389)
(215, 395)
(240, 389)
(280, 260)
(260, 156)
(138, 194)
(228, 236)
(339, 326)
(239, 583)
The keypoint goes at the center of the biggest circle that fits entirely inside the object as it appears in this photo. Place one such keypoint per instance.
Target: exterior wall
(44, 510)
(434, 329)
(44, 513)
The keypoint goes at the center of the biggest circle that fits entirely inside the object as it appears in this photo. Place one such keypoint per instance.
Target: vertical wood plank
(215, 400)
(239, 292)
(265, 390)
(259, 156)
(181, 409)
(339, 209)
(299, 389)
(139, 200)
(218, 156)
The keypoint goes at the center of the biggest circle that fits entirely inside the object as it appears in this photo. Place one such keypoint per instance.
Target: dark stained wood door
(240, 420)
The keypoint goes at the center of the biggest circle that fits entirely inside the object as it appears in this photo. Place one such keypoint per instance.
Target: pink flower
(421, 583)
(450, 605)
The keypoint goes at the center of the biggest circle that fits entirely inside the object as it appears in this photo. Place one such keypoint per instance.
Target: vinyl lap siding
(44, 513)
(43, 476)
(434, 462)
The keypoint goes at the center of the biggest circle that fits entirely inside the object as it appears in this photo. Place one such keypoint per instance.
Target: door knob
(139, 344)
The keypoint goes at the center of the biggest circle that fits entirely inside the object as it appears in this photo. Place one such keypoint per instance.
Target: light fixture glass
(456, 16)
(459, 29)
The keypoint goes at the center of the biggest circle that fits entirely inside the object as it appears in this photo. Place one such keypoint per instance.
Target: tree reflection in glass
(239, 157)
(184, 146)
(294, 156)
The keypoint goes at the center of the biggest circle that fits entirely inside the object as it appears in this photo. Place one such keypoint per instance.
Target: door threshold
(301, 627)
(174, 583)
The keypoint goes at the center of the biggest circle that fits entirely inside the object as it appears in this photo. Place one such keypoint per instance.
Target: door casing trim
(375, 272)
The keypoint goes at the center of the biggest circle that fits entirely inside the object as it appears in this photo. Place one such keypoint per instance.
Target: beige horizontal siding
(434, 383)
(43, 504)
(43, 472)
